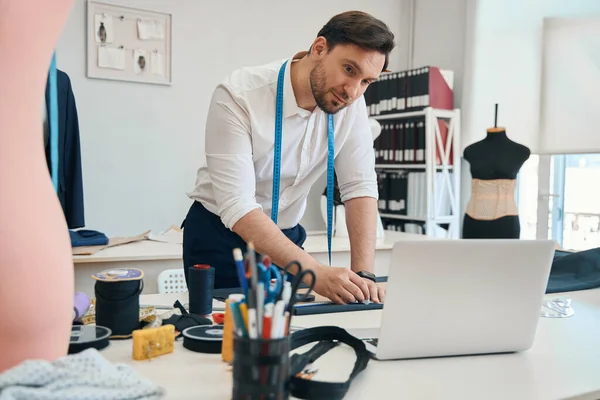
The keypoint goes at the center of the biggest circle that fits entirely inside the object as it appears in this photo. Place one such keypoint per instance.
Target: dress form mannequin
(36, 267)
(495, 161)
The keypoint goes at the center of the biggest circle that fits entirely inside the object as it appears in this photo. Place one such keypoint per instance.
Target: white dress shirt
(238, 174)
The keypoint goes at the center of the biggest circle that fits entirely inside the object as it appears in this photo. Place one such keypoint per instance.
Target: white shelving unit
(442, 191)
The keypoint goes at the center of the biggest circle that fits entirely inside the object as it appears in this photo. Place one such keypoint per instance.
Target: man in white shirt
(233, 193)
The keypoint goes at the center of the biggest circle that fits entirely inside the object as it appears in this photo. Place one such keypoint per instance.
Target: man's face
(342, 76)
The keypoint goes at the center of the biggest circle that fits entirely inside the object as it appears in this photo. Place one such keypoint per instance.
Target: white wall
(504, 64)
(439, 38)
(570, 85)
(142, 144)
(495, 49)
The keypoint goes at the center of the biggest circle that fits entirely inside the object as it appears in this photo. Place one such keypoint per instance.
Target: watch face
(366, 274)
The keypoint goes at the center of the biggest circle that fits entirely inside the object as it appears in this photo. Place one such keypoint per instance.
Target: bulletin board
(128, 44)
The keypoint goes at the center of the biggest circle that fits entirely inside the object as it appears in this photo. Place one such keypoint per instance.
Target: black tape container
(201, 283)
(118, 300)
(260, 368)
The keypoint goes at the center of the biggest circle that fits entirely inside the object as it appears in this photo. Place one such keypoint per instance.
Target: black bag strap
(329, 336)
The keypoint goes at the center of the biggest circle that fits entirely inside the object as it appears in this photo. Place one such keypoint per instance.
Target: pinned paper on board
(156, 60)
(103, 28)
(111, 58)
(150, 30)
(140, 61)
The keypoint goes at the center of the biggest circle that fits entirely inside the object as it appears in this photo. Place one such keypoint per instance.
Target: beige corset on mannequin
(492, 199)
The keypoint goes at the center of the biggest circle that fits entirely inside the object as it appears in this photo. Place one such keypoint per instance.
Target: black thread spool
(118, 305)
(201, 283)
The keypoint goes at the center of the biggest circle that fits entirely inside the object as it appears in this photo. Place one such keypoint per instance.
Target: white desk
(153, 257)
(564, 363)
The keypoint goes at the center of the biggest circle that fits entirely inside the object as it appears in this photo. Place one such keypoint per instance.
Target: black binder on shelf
(399, 142)
(401, 151)
(383, 185)
(410, 90)
(420, 145)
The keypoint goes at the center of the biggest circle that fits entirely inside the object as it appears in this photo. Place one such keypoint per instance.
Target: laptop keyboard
(372, 341)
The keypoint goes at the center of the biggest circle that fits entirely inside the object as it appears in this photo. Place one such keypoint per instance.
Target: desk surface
(151, 250)
(564, 363)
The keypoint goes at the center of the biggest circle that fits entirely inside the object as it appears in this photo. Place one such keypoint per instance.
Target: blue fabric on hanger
(68, 167)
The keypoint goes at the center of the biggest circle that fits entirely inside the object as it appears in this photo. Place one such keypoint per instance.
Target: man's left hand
(377, 293)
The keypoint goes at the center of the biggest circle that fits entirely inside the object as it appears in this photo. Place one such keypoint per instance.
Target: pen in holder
(260, 368)
(261, 317)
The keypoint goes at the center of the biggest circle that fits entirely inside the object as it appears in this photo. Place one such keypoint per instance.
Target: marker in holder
(260, 368)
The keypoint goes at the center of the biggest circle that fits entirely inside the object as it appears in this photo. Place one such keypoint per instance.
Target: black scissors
(296, 282)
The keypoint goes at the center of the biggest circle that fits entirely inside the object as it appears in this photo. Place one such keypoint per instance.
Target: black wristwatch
(367, 275)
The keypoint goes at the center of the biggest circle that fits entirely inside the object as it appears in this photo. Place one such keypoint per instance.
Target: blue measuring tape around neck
(53, 122)
(277, 162)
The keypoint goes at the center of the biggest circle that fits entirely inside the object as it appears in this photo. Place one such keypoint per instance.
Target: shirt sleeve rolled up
(355, 162)
(228, 147)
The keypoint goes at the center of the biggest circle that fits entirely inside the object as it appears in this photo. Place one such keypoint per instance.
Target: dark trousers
(507, 227)
(207, 241)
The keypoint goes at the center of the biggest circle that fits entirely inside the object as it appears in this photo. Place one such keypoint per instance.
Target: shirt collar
(290, 106)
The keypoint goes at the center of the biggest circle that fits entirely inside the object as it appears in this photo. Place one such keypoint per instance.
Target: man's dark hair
(360, 29)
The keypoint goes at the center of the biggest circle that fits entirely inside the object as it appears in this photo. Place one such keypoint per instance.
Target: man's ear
(319, 47)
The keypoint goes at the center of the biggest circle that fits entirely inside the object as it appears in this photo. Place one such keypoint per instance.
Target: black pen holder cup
(261, 368)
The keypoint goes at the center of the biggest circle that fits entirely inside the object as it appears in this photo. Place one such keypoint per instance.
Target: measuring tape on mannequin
(277, 161)
(53, 119)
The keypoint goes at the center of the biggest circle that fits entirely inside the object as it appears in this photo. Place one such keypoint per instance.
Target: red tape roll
(218, 318)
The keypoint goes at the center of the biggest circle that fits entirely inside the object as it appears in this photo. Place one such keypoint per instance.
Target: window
(558, 199)
(527, 193)
(581, 226)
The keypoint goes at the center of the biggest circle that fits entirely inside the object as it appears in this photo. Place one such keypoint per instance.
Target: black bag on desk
(328, 337)
(574, 271)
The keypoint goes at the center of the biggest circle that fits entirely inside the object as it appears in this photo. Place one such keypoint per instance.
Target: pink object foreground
(36, 267)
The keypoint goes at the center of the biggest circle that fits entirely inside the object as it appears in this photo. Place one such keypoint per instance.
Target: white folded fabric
(83, 376)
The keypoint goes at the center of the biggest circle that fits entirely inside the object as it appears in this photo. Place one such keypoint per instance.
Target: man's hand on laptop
(376, 292)
(341, 285)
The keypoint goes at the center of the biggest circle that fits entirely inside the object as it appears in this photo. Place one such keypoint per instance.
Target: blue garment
(207, 241)
(86, 237)
(70, 180)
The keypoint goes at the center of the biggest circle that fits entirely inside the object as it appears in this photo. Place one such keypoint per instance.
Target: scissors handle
(301, 278)
(296, 282)
(272, 282)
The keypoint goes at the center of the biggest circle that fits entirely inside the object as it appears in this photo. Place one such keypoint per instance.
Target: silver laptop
(461, 297)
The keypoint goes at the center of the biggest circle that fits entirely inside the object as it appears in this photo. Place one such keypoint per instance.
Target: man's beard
(317, 86)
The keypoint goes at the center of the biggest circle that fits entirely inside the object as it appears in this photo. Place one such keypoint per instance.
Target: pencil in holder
(261, 368)
(228, 332)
